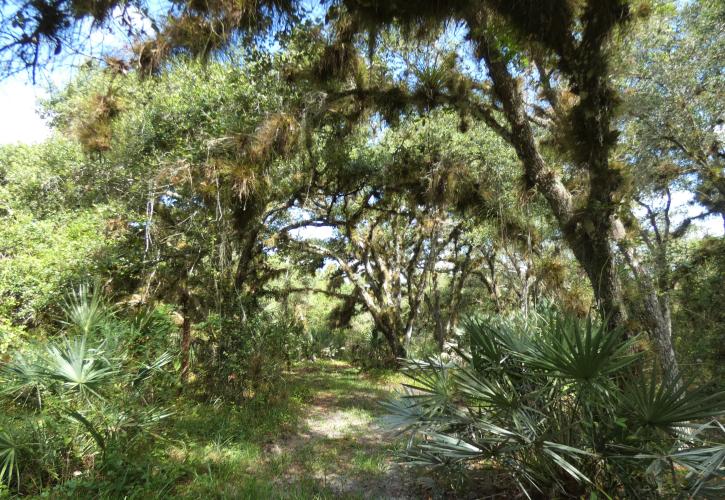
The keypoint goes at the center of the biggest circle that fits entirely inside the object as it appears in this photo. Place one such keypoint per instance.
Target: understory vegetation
(561, 407)
(365, 249)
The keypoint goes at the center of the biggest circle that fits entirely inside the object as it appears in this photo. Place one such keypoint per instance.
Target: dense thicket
(248, 185)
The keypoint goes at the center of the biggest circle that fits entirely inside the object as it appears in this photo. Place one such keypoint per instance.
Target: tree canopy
(506, 198)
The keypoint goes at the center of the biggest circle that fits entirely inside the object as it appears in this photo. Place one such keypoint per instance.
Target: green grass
(317, 439)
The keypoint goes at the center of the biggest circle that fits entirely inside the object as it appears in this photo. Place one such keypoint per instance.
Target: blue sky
(20, 98)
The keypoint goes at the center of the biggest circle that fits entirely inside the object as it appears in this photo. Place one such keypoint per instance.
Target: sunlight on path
(340, 442)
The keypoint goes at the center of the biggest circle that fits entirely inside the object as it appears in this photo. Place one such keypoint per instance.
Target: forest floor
(324, 440)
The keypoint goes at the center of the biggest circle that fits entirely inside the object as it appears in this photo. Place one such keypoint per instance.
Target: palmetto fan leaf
(9, 450)
(579, 352)
(433, 385)
(668, 403)
(703, 460)
(492, 346)
(85, 310)
(147, 370)
(22, 377)
(706, 468)
(486, 345)
(499, 393)
(403, 413)
(451, 447)
(547, 401)
(79, 368)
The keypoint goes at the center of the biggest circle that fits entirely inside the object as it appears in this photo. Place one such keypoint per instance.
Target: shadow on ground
(323, 441)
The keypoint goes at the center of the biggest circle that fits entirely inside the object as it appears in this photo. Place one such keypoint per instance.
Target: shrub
(80, 405)
(238, 361)
(562, 408)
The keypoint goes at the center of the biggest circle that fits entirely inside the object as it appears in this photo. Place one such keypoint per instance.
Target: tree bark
(656, 317)
(391, 334)
(587, 232)
(185, 338)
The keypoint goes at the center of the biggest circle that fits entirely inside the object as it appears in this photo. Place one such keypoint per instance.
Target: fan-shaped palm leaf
(568, 349)
(9, 451)
(78, 367)
(85, 310)
(22, 377)
(666, 403)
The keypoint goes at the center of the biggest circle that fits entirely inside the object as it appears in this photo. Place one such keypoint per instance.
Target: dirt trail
(341, 443)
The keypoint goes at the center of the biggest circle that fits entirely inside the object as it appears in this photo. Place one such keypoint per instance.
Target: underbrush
(559, 408)
(99, 411)
(79, 407)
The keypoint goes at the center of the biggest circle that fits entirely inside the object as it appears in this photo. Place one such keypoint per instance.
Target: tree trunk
(391, 335)
(656, 316)
(588, 232)
(185, 338)
(597, 258)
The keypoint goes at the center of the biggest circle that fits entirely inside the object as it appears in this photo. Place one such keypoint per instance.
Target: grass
(319, 438)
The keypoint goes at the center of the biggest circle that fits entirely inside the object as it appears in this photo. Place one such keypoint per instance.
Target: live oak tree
(542, 82)
(403, 214)
(671, 80)
(382, 252)
(187, 155)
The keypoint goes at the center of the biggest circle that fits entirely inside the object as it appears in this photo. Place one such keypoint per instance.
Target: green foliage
(85, 311)
(671, 79)
(558, 409)
(80, 395)
(54, 228)
(45, 179)
(42, 257)
(698, 320)
(244, 361)
(78, 368)
(183, 186)
(577, 352)
(9, 451)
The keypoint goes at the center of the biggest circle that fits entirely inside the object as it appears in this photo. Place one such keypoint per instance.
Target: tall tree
(546, 66)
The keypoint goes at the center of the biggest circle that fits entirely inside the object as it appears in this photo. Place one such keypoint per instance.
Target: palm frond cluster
(80, 397)
(563, 407)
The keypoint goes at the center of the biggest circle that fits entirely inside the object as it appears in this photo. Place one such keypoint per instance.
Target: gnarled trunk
(185, 338)
(655, 314)
(587, 231)
(392, 335)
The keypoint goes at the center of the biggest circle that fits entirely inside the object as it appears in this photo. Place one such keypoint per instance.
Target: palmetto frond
(78, 367)
(85, 310)
(548, 402)
(10, 448)
(580, 352)
(705, 466)
(148, 370)
(22, 377)
(667, 403)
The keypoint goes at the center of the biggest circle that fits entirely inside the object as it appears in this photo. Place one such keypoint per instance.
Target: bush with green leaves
(81, 404)
(56, 228)
(238, 359)
(562, 408)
